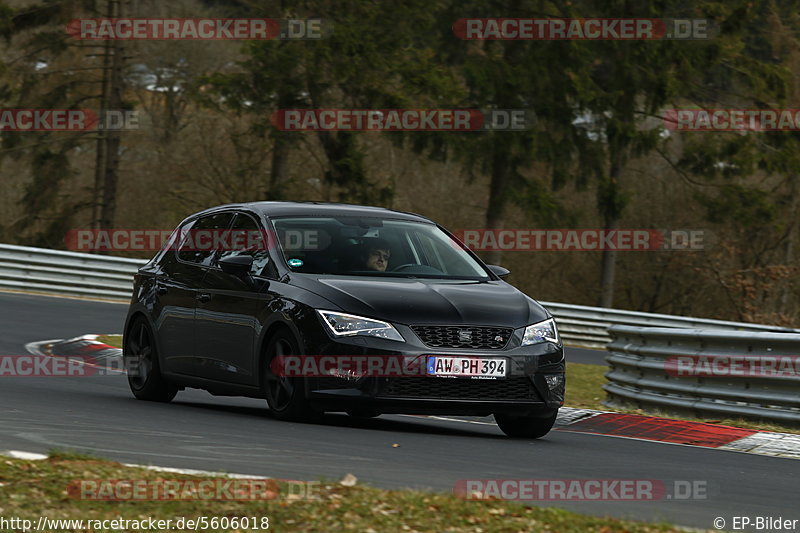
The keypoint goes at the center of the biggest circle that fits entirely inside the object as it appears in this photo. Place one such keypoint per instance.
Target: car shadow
(425, 425)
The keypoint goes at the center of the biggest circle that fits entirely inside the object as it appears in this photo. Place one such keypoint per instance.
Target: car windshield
(372, 246)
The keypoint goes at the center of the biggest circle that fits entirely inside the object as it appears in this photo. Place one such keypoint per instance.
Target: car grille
(477, 337)
(519, 388)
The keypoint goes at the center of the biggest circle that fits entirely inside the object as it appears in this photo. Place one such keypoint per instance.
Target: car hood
(429, 301)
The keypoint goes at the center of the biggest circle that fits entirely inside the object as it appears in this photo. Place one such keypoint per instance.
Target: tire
(140, 356)
(526, 427)
(285, 396)
(363, 412)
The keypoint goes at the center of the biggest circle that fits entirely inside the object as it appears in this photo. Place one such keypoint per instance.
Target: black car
(340, 282)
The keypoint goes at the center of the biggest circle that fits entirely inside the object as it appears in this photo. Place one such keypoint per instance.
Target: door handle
(160, 289)
(203, 298)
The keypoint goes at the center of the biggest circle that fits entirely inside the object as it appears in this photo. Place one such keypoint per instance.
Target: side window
(201, 242)
(248, 238)
(172, 243)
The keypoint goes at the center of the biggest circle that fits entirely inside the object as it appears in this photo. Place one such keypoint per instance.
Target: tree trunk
(788, 251)
(498, 198)
(100, 150)
(611, 205)
(346, 173)
(279, 171)
(608, 269)
(111, 171)
(346, 167)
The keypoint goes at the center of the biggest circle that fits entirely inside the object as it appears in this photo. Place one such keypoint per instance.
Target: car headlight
(344, 325)
(544, 331)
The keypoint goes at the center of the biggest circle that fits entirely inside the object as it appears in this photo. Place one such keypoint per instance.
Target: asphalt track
(98, 415)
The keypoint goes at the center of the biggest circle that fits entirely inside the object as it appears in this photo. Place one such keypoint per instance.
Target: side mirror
(499, 271)
(236, 265)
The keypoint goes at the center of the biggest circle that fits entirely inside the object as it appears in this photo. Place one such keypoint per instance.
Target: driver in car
(377, 254)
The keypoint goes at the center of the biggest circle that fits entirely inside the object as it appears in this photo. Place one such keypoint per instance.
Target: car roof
(321, 209)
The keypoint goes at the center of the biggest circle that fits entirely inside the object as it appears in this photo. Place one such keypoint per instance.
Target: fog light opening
(554, 380)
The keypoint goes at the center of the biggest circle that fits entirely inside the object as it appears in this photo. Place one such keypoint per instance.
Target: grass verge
(29, 489)
(111, 340)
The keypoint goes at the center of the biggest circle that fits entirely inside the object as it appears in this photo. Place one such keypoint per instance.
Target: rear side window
(172, 243)
(200, 244)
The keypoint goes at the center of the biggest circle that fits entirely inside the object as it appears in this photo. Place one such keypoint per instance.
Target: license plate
(468, 367)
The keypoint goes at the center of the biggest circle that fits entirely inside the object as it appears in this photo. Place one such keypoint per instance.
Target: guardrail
(716, 377)
(585, 326)
(72, 273)
(79, 274)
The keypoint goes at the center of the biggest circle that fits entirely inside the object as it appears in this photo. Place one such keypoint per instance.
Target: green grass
(111, 340)
(585, 386)
(584, 390)
(29, 489)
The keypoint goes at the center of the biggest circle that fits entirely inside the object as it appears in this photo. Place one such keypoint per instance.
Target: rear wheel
(526, 427)
(144, 371)
(286, 396)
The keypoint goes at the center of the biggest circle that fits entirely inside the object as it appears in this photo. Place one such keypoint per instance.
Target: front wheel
(141, 361)
(285, 395)
(526, 427)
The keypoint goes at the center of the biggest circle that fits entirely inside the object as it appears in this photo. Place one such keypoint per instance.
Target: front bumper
(523, 391)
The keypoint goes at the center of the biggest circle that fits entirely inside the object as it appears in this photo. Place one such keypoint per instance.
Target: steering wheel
(401, 268)
(414, 268)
